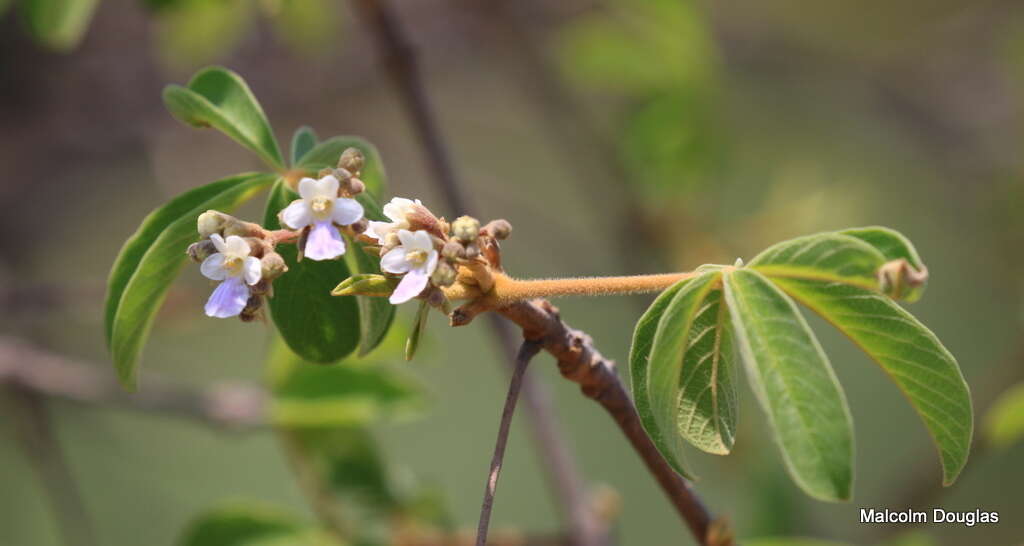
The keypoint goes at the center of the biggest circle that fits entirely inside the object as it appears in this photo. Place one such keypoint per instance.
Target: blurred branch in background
(399, 57)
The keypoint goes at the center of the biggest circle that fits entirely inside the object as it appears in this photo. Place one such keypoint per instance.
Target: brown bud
(234, 226)
(301, 243)
(341, 174)
(444, 275)
(261, 288)
(251, 311)
(453, 250)
(466, 228)
(419, 217)
(499, 229)
(197, 252)
(352, 187)
(472, 251)
(360, 226)
(351, 159)
(211, 222)
(325, 172)
(272, 266)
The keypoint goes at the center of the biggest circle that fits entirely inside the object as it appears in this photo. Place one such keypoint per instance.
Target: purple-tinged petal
(346, 211)
(252, 269)
(213, 267)
(228, 299)
(394, 261)
(324, 242)
(296, 215)
(412, 284)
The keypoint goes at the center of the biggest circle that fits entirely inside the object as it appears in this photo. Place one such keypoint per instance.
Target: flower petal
(431, 265)
(236, 246)
(394, 261)
(252, 269)
(307, 188)
(218, 242)
(420, 241)
(396, 209)
(407, 239)
(327, 187)
(346, 211)
(324, 242)
(228, 299)
(412, 284)
(297, 214)
(379, 230)
(213, 267)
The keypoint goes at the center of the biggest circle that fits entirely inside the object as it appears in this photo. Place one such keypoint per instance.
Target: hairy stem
(526, 352)
(508, 290)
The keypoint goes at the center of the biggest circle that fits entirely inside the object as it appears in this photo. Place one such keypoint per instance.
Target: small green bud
(211, 222)
(466, 228)
(197, 252)
(366, 284)
(351, 160)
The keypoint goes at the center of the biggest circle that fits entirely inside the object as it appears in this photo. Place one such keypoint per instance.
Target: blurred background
(617, 136)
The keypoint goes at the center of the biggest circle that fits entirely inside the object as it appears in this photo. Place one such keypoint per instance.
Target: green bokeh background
(616, 137)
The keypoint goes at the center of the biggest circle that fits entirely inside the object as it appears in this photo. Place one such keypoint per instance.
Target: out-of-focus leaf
(346, 394)
(667, 442)
(150, 260)
(241, 525)
(910, 538)
(795, 384)
(418, 326)
(326, 155)
(217, 97)
(58, 24)
(690, 372)
(317, 326)
(1004, 422)
(303, 141)
(375, 313)
(192, 33)
(310, 27)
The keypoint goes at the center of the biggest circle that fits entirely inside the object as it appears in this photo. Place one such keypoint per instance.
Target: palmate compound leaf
(217, 97)
(832, 274)
(150, 259)
(791, 375)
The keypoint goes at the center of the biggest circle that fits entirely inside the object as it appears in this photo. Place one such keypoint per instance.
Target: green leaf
(375, 313)
(795, 384)
(150, 259)
(690, 370)
(217, 97)
(346, 394)
(58, 24)
(1004, 422)
(315, 325)
(240, 525)
(910, 354)
(326, 155)
(893, 246)
(639, 354)
(303, 141)
(416, 334)
(829, 257)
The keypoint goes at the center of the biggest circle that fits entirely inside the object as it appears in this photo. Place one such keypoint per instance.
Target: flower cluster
(420, 251)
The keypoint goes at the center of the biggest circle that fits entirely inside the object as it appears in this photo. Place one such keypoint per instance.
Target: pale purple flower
(321, 208)
(416, 258)
(397, 210)
(236, 269)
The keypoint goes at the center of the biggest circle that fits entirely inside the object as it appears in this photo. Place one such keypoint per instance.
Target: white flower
(397, 210)
(232, 265)
(321, 207)
(416, 258)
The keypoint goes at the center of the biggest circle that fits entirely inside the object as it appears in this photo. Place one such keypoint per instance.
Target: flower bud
(366, 284)
(325, 172)
(499, 229)
(360, 225)
(390, 242)
(444, 274)
(234, 226)
(211, 222)
(262, 287)
(466, 228)
(251, 311)
(352, 160)
(197, 252)
(419, 217)
(342, 174)
(352, 187)
(453, 250)
(272, 266)
(472, 251)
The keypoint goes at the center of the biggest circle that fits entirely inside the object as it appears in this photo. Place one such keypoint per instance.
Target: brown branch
(399, 56)
(526, 352)
(580, 362)
(34, 427)
(231, 405)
